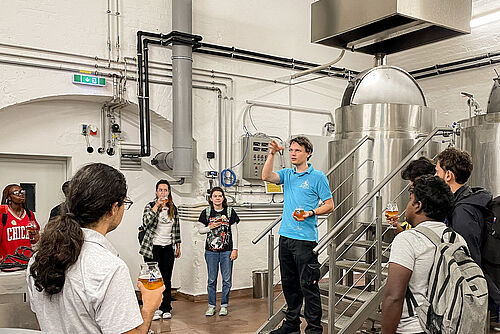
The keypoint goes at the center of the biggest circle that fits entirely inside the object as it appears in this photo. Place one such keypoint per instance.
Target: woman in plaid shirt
(162, 240)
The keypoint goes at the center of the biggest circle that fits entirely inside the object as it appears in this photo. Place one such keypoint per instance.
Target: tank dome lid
(383, 84)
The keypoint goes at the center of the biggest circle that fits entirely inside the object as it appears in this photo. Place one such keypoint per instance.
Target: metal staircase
(354, 267)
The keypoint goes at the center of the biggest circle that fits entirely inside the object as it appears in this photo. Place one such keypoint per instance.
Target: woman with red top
(18, 226)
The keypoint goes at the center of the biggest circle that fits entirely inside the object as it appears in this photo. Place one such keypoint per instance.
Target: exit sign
(90, 80)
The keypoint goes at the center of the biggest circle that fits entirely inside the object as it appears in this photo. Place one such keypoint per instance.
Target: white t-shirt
(97, 297)
(163, 234)
(412, 250)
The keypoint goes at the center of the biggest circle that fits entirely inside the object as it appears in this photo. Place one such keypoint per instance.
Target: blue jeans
(213, 260)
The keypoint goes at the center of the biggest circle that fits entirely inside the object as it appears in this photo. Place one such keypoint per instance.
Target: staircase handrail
(330, 171)
(346, 220)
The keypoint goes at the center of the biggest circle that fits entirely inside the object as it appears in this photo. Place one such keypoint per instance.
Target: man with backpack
(433, 286)
(468, 215)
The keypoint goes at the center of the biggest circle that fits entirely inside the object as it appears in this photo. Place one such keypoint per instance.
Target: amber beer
(391, 213)
(151, 283)
(299, 213)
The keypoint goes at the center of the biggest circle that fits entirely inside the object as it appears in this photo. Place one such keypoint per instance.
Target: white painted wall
(279, 27)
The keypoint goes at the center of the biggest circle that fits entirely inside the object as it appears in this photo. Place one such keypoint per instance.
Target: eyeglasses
(21, 192)
(128, 203)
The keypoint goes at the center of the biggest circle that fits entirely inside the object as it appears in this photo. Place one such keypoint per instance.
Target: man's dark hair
(435, 195)
(456, 161)
(65, 188)
(305, 142)
(417, 168)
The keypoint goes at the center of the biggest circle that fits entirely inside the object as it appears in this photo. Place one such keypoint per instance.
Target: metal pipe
(344, 221)
(380, 59)
(318, 68)
(331, 288)
(182, 62)
(287, 107)
(108, 13)
(117, 14)
(219, 133)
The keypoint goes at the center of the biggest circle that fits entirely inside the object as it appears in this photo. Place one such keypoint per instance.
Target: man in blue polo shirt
(304, 188)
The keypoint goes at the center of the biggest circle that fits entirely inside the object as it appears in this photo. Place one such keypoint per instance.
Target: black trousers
(299, 268)
(164, 255)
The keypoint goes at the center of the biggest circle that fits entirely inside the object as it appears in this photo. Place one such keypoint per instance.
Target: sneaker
(223, 311)
(167, 315)
(210, 311)
(157, 315)
(284, 329)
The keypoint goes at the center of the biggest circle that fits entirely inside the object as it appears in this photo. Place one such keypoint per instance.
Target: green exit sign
(90, 80)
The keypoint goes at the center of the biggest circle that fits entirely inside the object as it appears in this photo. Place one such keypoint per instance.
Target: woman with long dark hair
(76, 281)
(160, 222)
(220, 223)
(18, 226)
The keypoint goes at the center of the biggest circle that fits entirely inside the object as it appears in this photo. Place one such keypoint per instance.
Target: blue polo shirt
(302, 190)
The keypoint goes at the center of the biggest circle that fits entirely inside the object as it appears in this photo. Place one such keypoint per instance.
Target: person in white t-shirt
(412, 254)
(76, 281)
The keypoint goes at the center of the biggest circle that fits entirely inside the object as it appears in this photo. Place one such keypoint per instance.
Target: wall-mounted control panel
(256, 155)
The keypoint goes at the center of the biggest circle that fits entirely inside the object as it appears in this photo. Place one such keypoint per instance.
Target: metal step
(368, 243)
(385, 224)
(339, 322)
(360, 267)
(340, 290)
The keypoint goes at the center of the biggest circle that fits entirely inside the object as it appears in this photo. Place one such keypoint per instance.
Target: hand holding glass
(299, 216)
(391, 210)
(31, 228)
(150, 276)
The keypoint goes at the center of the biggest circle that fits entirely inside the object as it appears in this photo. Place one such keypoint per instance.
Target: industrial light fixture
(486, 18)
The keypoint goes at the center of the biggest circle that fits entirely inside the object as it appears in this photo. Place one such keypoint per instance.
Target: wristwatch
(313, 213)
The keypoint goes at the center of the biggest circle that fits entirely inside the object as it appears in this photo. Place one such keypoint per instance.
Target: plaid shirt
(150, 222)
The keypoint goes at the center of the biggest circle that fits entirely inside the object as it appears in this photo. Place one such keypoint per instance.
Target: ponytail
(59, 247)
(91, 194)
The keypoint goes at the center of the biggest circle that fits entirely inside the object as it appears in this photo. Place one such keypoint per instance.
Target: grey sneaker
(223, 311)
(210, 311)
(167, 315)
(157, 315)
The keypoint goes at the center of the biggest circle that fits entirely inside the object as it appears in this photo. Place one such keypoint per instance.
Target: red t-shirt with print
(14, 234)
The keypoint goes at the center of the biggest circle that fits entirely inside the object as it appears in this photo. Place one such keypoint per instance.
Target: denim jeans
(214, 259)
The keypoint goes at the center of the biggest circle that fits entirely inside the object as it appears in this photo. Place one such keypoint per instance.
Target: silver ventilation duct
(387, 26)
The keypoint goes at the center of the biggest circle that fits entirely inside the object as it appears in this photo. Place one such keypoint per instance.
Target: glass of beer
(150, 276)
(31, 228)
(392, 210)
(299, 214)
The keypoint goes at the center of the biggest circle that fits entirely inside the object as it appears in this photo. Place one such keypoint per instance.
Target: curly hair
(435, 195)
(5, 193)
(456, 161)
(417, 168)
(94, 190)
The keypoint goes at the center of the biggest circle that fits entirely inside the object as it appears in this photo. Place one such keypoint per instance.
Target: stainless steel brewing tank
(480, 136)
(395, 129)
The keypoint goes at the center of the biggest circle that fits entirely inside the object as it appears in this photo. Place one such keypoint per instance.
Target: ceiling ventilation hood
(387, 26)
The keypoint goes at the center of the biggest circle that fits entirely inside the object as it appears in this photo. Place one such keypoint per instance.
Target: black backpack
(490, 254)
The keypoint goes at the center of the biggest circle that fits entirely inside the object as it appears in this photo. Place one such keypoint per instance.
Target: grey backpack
(457, 295)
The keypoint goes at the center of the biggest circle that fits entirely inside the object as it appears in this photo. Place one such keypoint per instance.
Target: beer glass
(31, 228)
(299, 213)
(150, 276)
(392, 210)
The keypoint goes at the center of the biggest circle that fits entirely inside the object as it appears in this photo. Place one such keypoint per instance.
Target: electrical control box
(256, 149)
